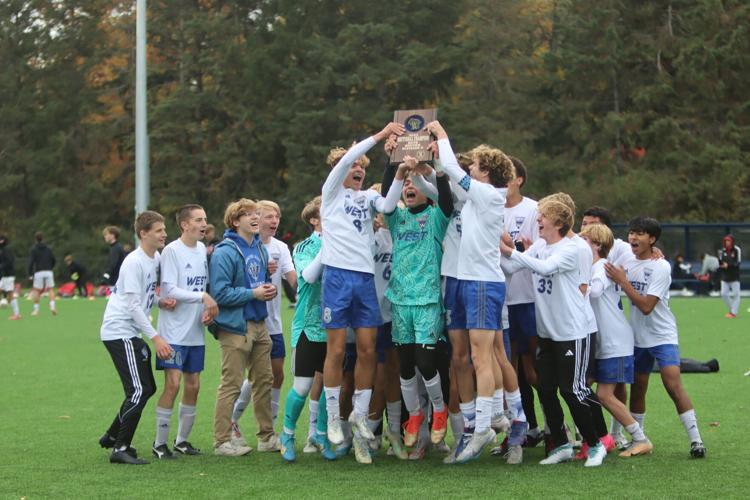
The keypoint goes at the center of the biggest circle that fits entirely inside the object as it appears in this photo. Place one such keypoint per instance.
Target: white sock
(636, 431)
(346, 428)
(373, 424)
(435, 392)
(484, 413)
(187, 418)
(616, 427)
(163, 419)
(362, 402)
(393, 410)
(52, 305)
(313, 406)
(242, 400)
(515, 406)
(690, 422)
(469, 412)
(639, 417)
(14, 306)
(497, 402)
(457, 425)
(36, 308)
(275, 395)
(410, 392)
(332, 403)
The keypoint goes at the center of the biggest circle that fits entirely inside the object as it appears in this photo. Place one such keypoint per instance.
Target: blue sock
(322, 425)
(292, 410)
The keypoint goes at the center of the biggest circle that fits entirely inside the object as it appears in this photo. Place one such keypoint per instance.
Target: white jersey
(452, 240)
(620, 252)
(383, 258)
(481, 222)
(278, 251)
(558, 302)
(184, 277)
(126, 315)
(652, 277)
(615, 338)
(585, 261)
(347, 215)
(520, 223)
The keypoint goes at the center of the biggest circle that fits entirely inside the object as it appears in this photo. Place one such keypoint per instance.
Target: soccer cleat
(270, 444)
(439, 425)
(411, 429)
(730, 316)
(229, 449)
(342, 450)
(106, 441)
(420, 450)
(500, 423)
(560, 454)
(533, 438)
(459, 446)
(54, 312)
(549, 444)
(475, 446)
(442, 447)
(515, 455)
(697, 450)
(288, 452)
(326, 451)
(361, 449)
(609, 442)
(597, 454)
(14, 317)
(185, 448)
(312, 445)
(162, 452)
(375, 444)
(335, 433)
(36, 313)
(397, 445)
(237, 438)
(359, 422)
(501, 450)
(124, 457)
(638, 448)
(583, 452)
(517, 434)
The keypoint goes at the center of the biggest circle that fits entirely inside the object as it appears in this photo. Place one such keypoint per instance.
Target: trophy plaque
(416, 139)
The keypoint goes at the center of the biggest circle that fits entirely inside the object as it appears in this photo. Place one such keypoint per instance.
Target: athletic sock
(275, 397)
(373, 424)
(393, 410)
(163, 419)
(616, 427)
(497, 402)
(187, 419)
(292, 410)
(321, 426)
(515, 406)
(242, 401)
(332, 395)
(457, 425)
(52, 305)
(639, 417)
(469, 412)
(362, 402)
(435, 392)
(410, 392)
(14, 306)
(484, 413)
(690, 422)
(635, 430)
(313, 409)
(36, 308)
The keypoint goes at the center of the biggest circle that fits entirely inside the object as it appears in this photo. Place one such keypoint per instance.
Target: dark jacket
(7, 260)
(79, 269)
(42, 259)
(116, 256)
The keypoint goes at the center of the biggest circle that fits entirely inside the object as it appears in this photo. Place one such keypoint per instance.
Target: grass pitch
(60, 391)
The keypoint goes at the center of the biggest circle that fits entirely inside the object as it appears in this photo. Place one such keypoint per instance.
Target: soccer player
(78, 273)
(349, 298)
(111, 235)
(730, 257)
(620, 250)
(646, 283)
(562, 354)
(308, 337)
(184, 278)
(615, 340)
(41, 269)
(414, 292)
(8, 277)
(125, 317)
(481, 282)
(239, 283)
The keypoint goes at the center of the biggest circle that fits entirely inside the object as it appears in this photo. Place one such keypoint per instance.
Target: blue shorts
(350, 357)
(384, 341)
(664, 354)
(186, 358)
(614, 370)
(506, 342)
(455, 312)
(278, 347)
(483, 304)
(522, 320)
(349, 299)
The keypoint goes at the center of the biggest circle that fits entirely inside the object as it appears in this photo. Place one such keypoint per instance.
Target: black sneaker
(123, 457)
(106, 441)
(697, 450)
(533, 439)
(186, 448)
(162, 452)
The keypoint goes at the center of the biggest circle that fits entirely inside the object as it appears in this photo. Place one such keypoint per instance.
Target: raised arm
(567, 260)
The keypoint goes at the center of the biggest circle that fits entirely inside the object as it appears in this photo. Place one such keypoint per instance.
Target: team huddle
(440, 296)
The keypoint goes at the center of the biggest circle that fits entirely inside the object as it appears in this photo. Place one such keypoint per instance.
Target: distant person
(681, 271)
(78, 274)
(210, 239)
(8, 277)
(41, 266)
(117, 254)
(709, 267)
(730, 257)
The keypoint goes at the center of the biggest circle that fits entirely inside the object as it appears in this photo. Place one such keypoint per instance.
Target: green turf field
(60, 392)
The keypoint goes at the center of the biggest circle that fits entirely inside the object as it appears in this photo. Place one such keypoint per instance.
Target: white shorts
(7, 284)
(44, 280)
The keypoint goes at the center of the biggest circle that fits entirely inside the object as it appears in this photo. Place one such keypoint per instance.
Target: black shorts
(309, 357)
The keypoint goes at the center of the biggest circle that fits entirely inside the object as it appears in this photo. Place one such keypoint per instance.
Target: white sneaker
(560, 454)
(596, 455)
(270, 444)
(500, 423)
(311, 446)
(237, 438)
(478, 441)
(227, 449)
(360, 423)
(335, 434)
(515, 455)
(361, 449)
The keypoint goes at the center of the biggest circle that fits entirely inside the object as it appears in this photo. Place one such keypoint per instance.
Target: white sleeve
(341, 170)
(285, 261)
(599, 282)
(509, 266)
(566, 260)
(169, 280)
(392, 197)
(661, 278)
(311, 273)
(425, 186)
(135, 309)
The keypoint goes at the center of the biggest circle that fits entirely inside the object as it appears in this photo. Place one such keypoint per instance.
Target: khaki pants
(251, 352)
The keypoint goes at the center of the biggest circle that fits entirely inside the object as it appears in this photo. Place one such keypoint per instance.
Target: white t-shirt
(184, 276)
(652, 277)
(558, 302)
(126, 315)
(521, 223)
(277, 250)
(585, 260)
(615, 338)
(383, 258)
(619, 252)
(452, 239)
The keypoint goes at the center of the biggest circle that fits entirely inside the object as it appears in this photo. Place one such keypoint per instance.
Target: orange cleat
(411, 429)
(439, 425)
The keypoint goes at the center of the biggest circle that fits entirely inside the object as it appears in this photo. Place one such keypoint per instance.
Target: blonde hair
(311, 210)
(563, 198)
(377, 187)
(335, 154)
(601, 235)
(496, 163)
(557, 213)
(270, 205)
(237, 209)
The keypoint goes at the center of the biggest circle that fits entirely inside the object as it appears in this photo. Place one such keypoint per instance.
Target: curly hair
(493, 161)
(335, 154)
(311, 210)
(563, 198)
(237, 209)
(557, 213)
